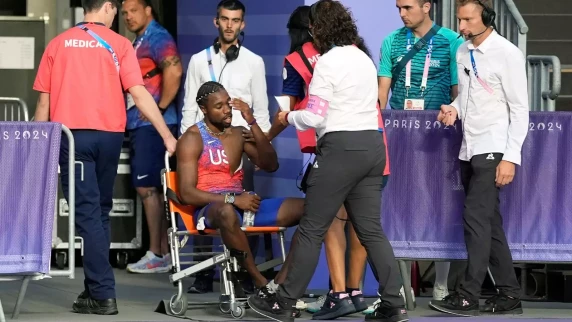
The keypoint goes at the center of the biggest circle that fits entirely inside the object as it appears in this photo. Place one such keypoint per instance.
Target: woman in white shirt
(348, 169)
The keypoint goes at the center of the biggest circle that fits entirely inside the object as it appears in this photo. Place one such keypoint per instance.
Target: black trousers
(348, 170)
(484, 235)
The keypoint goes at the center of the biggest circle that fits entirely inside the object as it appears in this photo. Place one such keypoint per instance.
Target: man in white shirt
(493, 108)
(227, 62)
(242, 73)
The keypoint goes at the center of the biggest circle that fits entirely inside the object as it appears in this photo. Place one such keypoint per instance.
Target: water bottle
(248, 216)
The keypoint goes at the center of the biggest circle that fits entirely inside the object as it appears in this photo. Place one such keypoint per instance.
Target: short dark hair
(147, 3)
(422, 2)
(92, 5)
(206, 90)
(299, 28)
(230, 5)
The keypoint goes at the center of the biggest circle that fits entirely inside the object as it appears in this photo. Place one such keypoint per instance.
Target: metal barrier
(542, 88)
(21, 109)
(509, 21)
(13, 109)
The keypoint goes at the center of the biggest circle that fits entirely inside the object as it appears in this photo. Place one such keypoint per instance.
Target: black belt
(154, 72)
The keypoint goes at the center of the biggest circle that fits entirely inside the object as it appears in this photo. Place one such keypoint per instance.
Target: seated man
(209, 175)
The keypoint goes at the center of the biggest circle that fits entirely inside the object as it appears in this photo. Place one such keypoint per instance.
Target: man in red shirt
(81, 79)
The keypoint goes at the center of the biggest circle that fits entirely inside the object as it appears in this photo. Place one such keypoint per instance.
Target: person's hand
(171, 145)
(447, 115)
(505, 173)
(282, 117)
(247, 135)
(239, 105)
(246, 202)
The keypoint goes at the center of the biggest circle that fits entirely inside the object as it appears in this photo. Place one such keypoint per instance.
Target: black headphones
(488, 15)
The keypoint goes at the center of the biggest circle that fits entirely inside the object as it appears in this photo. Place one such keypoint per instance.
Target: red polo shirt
(79, 73)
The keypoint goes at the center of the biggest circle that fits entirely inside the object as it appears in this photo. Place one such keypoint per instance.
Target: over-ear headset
(232, 51)
(488, 16)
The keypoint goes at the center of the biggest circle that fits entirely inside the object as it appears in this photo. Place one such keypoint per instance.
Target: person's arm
(43, 84)
(515, 88)
(455, 43)
(321, 93)
(384, 72)
(165, 54)
(292, 87)
(260, 151)
(259, 95)
(43, 108)
(189, 149)
(190, 107)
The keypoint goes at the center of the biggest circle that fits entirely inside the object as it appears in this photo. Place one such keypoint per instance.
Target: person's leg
(248, 169)
(228, 221)
(329, 182)
(358, 258)
(440, 288)
(502, 269)
(147, 160)
(99, 280)
(481, 196)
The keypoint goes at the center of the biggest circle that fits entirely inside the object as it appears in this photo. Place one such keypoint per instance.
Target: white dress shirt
(243, 78)
(494, 122)
(347, 79)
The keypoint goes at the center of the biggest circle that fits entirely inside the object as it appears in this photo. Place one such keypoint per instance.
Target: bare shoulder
(191, 140)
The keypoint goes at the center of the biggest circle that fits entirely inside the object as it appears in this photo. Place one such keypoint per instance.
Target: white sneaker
(440, 292)
(316, 306)
(371, 308)
(301, 305)
(150, 264)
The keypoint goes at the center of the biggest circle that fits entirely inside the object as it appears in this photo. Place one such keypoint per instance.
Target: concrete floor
(139, 295)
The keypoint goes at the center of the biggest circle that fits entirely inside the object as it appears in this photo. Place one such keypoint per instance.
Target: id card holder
(414, 104)
(130, 101)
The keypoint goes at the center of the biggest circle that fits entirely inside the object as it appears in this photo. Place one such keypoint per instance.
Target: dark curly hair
(333, 25)
(205, 91)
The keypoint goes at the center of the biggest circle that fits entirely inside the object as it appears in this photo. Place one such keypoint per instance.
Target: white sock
(442, 273)
(272, 286)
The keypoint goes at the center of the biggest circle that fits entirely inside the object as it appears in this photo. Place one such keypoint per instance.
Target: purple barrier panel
(423, 201)
(29, 154)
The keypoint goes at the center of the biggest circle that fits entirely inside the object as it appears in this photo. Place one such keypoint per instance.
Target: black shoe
(83, 295)
(359, 302)
(334, 308)
(201, 285)
(503, 305)
(387, 313)
(456, 304)
(91, 306)
(273, 307)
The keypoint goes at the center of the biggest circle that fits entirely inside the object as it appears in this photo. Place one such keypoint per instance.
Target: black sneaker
(201, 285)
(503, 305)
(358, 301)
(91, 306)
(273, 307)
(456, 304)
(387, 313)
(334, 308)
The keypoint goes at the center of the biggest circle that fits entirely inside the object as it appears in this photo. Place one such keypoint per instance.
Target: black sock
(160, 256)
(337, 294)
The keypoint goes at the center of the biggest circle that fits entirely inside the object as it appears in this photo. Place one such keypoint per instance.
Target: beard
(223, 37)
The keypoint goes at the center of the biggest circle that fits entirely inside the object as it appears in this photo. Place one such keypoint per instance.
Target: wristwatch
(229, 198)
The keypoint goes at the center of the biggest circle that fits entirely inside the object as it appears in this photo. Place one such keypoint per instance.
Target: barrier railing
(544, 82)
(13, 109)
(29, 135)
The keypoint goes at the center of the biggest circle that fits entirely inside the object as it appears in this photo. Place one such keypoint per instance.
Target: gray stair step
(566, 83)
(564, 104)
(543, 6)
(562, 50)
(548, 27)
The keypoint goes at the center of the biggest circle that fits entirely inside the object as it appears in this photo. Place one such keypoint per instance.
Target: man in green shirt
(429, 79)
(426, 82)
